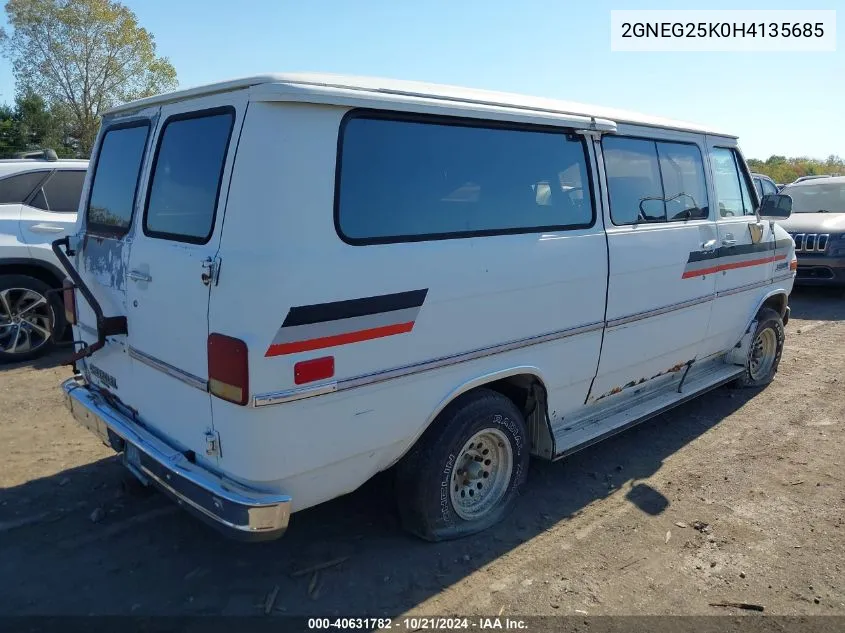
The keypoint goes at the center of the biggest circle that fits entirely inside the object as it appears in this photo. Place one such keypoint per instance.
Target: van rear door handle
(709, 245)
(46, 228)
(137, 275)
(728, 242)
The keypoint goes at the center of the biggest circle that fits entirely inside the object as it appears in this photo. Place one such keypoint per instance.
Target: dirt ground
(611, 530)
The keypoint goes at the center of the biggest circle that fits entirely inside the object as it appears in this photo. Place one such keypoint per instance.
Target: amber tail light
(69, 300)
(228, 368)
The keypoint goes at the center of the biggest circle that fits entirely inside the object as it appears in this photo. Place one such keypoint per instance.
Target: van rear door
(155, 270)
(110, 197)
(170, 272)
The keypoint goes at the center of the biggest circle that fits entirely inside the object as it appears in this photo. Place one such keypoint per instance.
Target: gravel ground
(737, 496)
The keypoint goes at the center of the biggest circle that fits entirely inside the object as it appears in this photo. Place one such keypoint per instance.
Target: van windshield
(116, 177)
(817, 197)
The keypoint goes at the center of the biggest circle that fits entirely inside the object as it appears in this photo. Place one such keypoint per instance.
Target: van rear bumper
(239, 512)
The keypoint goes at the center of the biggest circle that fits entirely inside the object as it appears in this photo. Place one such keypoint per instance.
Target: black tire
(767, 319)
(54, 316)
(425, 475)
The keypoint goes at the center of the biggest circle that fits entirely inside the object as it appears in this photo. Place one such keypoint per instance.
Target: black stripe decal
(321, 312)
(729, 251)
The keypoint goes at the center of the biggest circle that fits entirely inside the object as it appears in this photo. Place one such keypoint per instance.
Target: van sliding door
(660, 228)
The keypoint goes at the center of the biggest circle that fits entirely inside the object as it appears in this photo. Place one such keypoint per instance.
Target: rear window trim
(410, 117)
(109, 230)
(186, 116)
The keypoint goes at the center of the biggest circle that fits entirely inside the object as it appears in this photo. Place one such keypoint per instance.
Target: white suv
(38, 203)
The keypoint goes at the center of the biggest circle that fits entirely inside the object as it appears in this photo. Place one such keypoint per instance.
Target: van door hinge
(212, 444)
(211, 271)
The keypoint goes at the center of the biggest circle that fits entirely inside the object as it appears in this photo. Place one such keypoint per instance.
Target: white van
(288, 283)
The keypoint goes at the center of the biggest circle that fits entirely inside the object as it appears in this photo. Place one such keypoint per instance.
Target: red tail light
(69, 299)
(228, 368)
(314, 369)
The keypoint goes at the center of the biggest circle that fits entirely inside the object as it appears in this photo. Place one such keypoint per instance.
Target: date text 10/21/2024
(418, 624)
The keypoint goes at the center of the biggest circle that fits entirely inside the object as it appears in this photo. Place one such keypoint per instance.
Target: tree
(31, 124)
(8, 131)
(783, 169)
(84, 56)
(40, 126)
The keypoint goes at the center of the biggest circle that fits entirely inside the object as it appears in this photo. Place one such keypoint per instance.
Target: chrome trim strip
(170, 370)
(279, 397)
(638, 316)
(288, 395)
(738, 289)
(755, 285)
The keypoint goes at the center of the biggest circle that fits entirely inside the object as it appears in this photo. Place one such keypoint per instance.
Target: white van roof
(393, 90)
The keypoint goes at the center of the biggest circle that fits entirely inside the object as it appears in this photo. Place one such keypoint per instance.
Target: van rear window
(186, 176)
(116, 177)
(411, 180)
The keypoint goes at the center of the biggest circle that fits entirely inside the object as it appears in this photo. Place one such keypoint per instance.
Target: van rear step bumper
(237, 511)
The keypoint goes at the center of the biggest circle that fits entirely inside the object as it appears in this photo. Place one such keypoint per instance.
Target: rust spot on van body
(634, 383)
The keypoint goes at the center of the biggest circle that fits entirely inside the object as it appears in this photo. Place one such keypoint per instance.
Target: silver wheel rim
(24, 320)
(482, 474)
(763, 352)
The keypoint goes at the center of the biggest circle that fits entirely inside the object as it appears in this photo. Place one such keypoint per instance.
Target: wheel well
(42, 273)
(528, 393)
(777, 303)
(518, 389)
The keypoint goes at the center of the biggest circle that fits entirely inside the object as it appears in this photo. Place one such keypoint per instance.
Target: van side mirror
(776, 206)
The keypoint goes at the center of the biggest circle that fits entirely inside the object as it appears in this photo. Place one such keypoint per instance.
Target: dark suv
(817, 225)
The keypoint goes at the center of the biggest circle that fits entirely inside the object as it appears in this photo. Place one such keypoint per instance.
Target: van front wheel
(466, 471)
(765, 352)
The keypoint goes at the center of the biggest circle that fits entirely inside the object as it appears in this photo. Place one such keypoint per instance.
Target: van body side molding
(170, 370)
(289, 395)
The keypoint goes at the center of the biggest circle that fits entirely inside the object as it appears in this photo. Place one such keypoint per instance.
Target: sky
(791, 104)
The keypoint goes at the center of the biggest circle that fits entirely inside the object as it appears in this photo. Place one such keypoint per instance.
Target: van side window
(116, 177)
(654, 181)
(186, 176)
(731, 184)
(684, 186)
(411, 180)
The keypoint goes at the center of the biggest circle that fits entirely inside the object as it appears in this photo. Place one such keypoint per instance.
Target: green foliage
(784, 170)
(31, 125)
(83, 57)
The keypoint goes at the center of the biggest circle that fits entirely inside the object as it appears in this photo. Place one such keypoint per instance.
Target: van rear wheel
(466, 471)
(765, 352)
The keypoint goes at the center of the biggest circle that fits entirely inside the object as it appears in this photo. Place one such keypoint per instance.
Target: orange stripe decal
(339, 339)
(715, 269)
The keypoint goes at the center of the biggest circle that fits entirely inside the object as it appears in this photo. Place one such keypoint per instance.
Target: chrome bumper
(239, 512)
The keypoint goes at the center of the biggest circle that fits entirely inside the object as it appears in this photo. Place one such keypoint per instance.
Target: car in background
(813, 177)
(764, 185)
(817, 225)
(39, 195)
